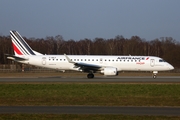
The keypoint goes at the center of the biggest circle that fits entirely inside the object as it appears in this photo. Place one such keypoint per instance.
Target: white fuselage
(122, 63)
(107, 65)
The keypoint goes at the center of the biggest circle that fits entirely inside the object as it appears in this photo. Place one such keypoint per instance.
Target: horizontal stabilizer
(16, 58)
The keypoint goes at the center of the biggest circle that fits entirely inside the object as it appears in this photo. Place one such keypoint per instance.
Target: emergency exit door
(44, 61)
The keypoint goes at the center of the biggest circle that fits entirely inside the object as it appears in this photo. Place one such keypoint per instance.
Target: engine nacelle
(110, 71)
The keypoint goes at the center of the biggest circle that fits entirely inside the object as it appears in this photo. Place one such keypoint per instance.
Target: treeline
(164, 47)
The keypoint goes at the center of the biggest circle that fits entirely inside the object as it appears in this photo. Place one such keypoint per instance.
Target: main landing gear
(90, 75)
(155, 74)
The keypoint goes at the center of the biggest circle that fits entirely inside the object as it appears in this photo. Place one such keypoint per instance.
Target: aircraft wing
(16, 58)
(84, 66)
(87, 67)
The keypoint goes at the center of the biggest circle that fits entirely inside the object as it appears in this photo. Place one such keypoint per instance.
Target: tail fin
(20, 46)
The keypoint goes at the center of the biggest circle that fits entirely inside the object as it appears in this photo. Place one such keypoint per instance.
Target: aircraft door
(43, 60)
(152, 62)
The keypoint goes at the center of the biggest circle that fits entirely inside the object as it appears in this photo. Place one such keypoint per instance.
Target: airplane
(107, 65)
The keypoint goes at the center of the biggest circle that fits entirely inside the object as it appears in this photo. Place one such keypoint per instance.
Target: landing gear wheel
(90, 75)
(154, 76)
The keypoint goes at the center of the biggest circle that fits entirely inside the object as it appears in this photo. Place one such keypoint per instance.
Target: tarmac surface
(133, 79)
(129, 110)
(153, 111)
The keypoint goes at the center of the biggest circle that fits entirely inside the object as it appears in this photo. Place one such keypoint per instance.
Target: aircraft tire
(154, 76)
(90, 75)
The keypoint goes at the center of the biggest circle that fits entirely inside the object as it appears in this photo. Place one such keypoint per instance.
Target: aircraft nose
(171, 67)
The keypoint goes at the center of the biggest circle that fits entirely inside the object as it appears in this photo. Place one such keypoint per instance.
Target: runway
(163, 111)
(133, 79)
(153, 111)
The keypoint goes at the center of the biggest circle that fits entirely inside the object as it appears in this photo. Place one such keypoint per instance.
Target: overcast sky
(79, 19)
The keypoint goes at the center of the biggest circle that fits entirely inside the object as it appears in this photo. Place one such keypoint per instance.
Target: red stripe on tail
(17, 50)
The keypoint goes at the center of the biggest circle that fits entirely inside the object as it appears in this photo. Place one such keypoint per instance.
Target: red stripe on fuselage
(17, 50)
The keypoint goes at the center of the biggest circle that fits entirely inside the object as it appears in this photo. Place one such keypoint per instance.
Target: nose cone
(170, 67)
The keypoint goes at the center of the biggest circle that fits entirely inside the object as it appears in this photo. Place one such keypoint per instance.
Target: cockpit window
(161, 60)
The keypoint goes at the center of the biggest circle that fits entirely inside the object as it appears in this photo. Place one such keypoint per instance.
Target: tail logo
(19, 44)
(16, 50)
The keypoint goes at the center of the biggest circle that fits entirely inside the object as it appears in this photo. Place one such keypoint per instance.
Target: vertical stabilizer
(19, 44)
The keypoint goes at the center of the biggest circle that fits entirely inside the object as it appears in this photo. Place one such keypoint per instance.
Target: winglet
(68, 59)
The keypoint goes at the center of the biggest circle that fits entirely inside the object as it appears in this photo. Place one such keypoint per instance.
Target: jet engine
(109, 71)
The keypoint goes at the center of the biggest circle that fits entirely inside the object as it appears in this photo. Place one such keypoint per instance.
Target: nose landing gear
(155, 74)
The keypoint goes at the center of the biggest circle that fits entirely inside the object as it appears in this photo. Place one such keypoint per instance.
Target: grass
(81, 117)
(90, 94)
